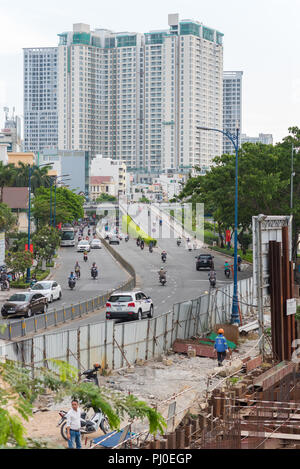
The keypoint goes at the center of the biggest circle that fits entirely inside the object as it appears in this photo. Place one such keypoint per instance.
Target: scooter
(150, 249)
(227, 273)
(72, 283)
(142, 245)
(164, 258)
(163, 281)
(85, 258)
(86, 425)
(178, 243)
(212, 282)
(127, 239)
(77, 273)
(94, 273)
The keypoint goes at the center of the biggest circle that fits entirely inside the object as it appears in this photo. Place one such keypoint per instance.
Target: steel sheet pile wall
(120, 345)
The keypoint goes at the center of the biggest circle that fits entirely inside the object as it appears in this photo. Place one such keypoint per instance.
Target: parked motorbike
(72, 283)
(87, 425)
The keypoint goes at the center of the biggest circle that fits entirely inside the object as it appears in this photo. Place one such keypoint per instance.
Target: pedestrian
(221, 347)
(73, 425)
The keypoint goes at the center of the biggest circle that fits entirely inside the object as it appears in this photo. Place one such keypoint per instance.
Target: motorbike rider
(72, 277)
(226, 267)
(162, 274)
(239, 261)
(77, 269)
(4, 279)
(94, 268)
(163, 255)
(212, 276)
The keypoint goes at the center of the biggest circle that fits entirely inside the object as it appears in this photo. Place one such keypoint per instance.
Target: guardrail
(44, 321)
(116, 346)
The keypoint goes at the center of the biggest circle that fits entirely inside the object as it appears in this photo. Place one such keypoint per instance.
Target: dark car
(204, 261)
(24, 304)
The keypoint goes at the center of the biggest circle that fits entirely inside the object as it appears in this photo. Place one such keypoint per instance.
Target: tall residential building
(140, 97)
(40, 98)
(267, 139)
(232, 106)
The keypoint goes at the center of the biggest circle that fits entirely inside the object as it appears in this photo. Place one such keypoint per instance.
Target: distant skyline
(260, 39)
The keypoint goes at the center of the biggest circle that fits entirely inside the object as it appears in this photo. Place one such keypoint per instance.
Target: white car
(50, 289)
(129, 305)
(114, 239)
(83, 245)
(96, 244)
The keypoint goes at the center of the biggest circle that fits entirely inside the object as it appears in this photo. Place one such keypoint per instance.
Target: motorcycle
(4, 285)
(72, 283)
(94, 273)
(150, 249)
(178, 243)
(77, 273)
(212, 282)
(163, 281)
(127, 239)
(164, 258)
(87, 425)
(142, 245)
(138, 242)
(227, 273)
(85, 257)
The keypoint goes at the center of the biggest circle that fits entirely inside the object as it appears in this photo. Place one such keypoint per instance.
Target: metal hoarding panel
(73, 347)
(100, 339)
(38, 350)
(135, 340)
(84, 347)
(119, 361)
(56, 346)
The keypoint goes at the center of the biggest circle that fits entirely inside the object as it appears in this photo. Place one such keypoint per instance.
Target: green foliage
(20, 391)
(297, 316)
(7, 219)
(69, 206)
(144, 200)
(106, 198)
(45, 241)
(128, 226)
(40, 275)
(19, 261)
(264, 186)
(39, 176)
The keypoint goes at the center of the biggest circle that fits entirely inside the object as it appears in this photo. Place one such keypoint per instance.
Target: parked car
(96, 244)
(129, 305)
(83, 245)
(24, 304)
(204, 261)
(114, 239)
(50, 289)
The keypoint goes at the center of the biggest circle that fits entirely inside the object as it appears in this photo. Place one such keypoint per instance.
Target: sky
(260, 38)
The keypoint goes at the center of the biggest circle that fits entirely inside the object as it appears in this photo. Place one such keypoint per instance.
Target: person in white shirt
(73, 425)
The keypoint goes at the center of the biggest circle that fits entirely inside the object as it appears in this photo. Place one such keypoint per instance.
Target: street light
(235, 319)
(29, 212)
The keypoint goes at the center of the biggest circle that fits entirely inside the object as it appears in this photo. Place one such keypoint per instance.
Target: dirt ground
(154, 382)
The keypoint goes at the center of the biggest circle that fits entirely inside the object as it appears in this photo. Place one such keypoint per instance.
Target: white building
(40, 98)
(100, 166)
(232, 106)
(266, 139)
(139, 98)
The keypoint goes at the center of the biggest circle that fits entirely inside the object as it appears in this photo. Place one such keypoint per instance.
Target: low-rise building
(100, 166)
(21, 157)
(17, 198)
(102, 185)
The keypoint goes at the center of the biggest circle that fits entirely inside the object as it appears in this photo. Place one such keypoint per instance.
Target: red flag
(228, 236)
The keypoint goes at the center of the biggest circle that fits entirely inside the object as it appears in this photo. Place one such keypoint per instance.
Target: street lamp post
(234, 138)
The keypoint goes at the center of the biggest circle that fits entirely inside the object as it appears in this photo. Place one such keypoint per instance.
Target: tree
(7, 173)
(7, 219)
(69, 206)
(19, 261)
(39, 176)
(264, 181)
(106, 198)
(19, 390)
(45, 242)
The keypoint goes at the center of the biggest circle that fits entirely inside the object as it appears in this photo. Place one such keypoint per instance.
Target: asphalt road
(110, 276)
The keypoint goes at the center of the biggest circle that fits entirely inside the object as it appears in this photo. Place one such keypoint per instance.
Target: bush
(40, 275)
(248, 257)
(128, 226)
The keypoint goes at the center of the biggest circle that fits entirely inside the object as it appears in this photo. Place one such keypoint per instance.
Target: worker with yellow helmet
(221, 346)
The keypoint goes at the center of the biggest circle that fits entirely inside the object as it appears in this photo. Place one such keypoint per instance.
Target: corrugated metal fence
(120, 345)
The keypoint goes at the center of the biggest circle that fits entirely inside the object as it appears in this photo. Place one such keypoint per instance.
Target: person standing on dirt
(73, 425)
(221, 346)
